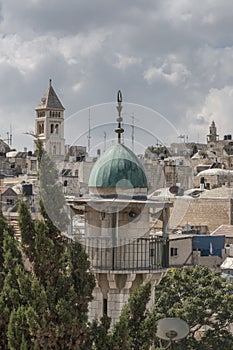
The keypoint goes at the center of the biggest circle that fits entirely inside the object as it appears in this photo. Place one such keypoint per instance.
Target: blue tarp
(209, 245)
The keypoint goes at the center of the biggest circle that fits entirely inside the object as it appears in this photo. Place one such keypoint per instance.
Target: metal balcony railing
(126, 254)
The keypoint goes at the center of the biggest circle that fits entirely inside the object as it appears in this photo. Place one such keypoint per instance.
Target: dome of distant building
(118, 168)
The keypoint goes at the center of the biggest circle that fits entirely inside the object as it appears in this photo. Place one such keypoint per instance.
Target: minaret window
(51, 128)
(41, 128)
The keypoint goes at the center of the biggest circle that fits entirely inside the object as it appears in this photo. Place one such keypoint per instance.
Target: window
(105, 307)
(41, 128)
(174, 251)
(9, 201)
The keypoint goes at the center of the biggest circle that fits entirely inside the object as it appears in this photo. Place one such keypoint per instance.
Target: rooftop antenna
(133, 132)
(89, 131)
(119, 130)
(10, 139)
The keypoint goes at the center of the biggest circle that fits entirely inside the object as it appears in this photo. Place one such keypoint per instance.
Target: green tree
(204, 300)
(15, 295)
(136, 328)
(45, 280)
(52, 200)
(60, 266)
(8, 262)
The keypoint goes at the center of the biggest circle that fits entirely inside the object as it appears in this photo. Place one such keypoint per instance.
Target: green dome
(118, 167)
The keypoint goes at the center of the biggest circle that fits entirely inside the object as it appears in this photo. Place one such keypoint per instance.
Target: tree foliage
(46, 284)
(201, 298)
(136, 322)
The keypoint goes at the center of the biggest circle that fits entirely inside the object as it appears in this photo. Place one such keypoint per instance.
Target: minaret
(212, 137)
(50, 123)
(117, 239)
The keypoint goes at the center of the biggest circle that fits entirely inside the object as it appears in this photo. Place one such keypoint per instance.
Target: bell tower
(50, 123)
(213, 136)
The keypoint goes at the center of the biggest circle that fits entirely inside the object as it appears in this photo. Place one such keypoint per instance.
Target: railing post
(114, 227)
(165, 250)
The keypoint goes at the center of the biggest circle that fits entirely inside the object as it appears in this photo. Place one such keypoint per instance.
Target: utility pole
(133, 132)
(105, 135)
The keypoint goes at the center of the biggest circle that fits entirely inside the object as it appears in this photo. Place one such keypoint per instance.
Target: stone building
(209, 208)
(196, 249)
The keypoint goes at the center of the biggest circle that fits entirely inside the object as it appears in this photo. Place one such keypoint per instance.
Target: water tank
(27, 189)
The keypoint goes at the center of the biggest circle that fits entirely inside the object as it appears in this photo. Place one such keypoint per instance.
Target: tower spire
(119, 130)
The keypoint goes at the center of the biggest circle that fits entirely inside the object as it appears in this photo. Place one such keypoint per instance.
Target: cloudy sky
(171, 56)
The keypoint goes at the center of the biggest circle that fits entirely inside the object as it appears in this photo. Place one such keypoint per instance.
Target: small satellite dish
(172, 328)
(187, 227)
(174, 190)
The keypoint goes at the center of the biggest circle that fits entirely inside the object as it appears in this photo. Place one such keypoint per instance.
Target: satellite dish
(172, 328)
(187, 227)
(174, 190)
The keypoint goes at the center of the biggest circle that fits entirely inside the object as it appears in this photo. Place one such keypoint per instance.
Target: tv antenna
(9, 137)
(89, 131)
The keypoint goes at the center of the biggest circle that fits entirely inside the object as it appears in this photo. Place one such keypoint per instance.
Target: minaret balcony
(139, 254)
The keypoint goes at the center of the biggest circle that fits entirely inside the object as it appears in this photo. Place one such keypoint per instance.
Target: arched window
(51, 128)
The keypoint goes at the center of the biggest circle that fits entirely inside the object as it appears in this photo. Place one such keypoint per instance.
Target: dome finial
(119, 130)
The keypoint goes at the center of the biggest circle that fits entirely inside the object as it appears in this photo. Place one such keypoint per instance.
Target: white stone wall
(184, 251)
(117, 288)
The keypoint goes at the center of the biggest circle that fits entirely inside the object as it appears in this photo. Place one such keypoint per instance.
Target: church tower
(50, 123)
(212, 137)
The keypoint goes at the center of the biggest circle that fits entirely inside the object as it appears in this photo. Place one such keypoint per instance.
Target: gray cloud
(167, 55)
